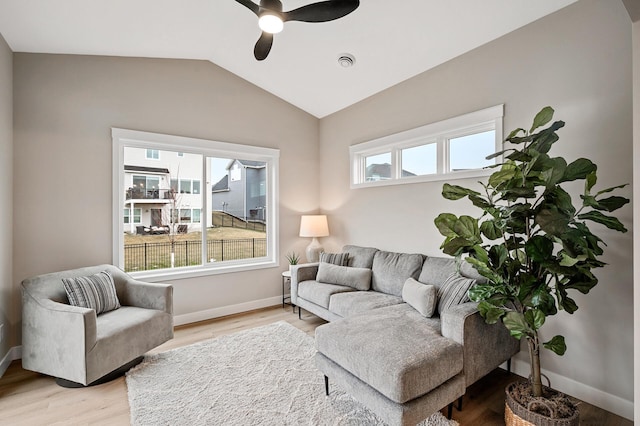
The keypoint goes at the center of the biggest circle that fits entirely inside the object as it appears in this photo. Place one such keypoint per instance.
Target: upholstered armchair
(74, 344)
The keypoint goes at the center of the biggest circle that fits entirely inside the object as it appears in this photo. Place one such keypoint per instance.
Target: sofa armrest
(300, 273)
(485, 346)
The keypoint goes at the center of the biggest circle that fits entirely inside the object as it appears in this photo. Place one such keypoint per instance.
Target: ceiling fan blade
(263, 46)
(250, 5)
(322, 11)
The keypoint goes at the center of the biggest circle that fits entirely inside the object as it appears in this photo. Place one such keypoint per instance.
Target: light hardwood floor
(28, 398)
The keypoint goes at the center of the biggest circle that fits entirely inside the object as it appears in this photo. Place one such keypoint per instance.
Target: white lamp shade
(314, 226)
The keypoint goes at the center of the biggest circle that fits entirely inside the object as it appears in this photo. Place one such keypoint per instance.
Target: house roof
(222, 185)
(145, 169)
(385, 170)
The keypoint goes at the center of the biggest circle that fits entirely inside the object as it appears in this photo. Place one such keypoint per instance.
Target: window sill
(200, 271)
(467, 174)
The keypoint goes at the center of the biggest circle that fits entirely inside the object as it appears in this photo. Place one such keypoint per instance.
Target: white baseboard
(226, 310)
(12, 355)
(593, 396)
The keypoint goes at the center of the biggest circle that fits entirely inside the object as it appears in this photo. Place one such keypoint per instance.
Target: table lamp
(314, 226)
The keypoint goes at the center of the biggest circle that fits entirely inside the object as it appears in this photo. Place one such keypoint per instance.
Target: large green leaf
(445, 223)
(455, 192)
(516, 324)
(554, 172)
(582, 284)
(590, 181)
(514, 133)
(543, 117)
(557, 345)
(579, 169)
(535, 318)
(543, 140)
(613, 188)
(467, 227)
(503, 175)
(552, 221)
(456, 246)
(490, 229)
(608, 221)
(611, 203)
(490, 313)
(539, 248)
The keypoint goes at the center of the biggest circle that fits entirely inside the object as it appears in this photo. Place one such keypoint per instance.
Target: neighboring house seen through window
(184, 215)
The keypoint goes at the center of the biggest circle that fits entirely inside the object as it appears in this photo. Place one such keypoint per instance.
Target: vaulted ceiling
(391, 41)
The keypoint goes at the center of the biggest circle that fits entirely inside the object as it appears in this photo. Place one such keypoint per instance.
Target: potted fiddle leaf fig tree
(533, 243)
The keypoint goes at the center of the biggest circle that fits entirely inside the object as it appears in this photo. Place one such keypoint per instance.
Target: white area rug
(262, 376)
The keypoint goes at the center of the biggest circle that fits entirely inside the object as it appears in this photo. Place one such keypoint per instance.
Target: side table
(286, 279)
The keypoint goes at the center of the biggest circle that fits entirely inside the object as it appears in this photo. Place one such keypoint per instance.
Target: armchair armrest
(300, 273)
(485, 346)
(146, 295)
(56, 337)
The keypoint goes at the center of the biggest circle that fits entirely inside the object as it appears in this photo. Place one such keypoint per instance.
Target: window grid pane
(420, 160)
(470, 151)
(377, 167)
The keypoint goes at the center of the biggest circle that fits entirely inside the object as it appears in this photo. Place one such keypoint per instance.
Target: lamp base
(313, 251)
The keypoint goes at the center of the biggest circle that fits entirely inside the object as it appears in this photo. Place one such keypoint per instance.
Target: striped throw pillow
(340, 259)
(97, 292)
(453, 291)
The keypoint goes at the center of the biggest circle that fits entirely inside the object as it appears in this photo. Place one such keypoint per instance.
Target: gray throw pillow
(453, 291)
(358, 278)
(97, 292)
(422, 297)
(340, 259)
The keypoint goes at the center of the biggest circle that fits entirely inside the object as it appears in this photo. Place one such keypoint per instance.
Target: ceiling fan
(272, 18)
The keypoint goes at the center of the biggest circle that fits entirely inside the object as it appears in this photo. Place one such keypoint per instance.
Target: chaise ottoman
(394, 361)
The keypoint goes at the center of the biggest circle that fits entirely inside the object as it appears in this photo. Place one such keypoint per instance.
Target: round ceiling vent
(346, 60)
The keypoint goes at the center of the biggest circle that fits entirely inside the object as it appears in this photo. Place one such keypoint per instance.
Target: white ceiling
(391, 41)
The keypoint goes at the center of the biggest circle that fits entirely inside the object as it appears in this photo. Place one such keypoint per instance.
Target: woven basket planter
(517, 415)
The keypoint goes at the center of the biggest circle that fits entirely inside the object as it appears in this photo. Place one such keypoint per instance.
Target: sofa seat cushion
(390, 271)
(395, 350)
(320, 293)
(355, 302)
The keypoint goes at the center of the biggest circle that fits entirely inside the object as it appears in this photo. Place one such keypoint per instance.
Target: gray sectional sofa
(403, 339)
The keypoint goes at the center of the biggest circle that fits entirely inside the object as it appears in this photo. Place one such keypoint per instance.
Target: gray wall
(577, 60)
(8, 315)
(64, 109)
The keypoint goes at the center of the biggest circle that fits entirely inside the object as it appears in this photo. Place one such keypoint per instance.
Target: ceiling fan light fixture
(270, 23)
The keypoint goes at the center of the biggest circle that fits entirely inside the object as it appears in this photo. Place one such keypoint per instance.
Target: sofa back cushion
(360, 257)
(390, 271)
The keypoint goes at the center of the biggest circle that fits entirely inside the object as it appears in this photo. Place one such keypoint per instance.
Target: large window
(200, 219)
(449, 149)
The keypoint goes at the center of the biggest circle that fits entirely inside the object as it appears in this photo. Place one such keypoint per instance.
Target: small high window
(449, 149)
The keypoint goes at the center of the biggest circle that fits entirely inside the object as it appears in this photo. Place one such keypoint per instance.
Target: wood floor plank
(28, 398)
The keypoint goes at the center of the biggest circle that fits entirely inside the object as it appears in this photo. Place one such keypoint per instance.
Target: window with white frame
(184, 231)
(152, 154)
(129, 213)
(448, 149)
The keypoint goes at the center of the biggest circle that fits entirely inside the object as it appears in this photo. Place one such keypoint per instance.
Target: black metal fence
(149, 256)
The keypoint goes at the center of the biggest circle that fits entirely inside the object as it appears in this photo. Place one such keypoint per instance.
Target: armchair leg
(509, 365)
(450, 410)
(326, 385)
(459, 407)
(299, 313)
